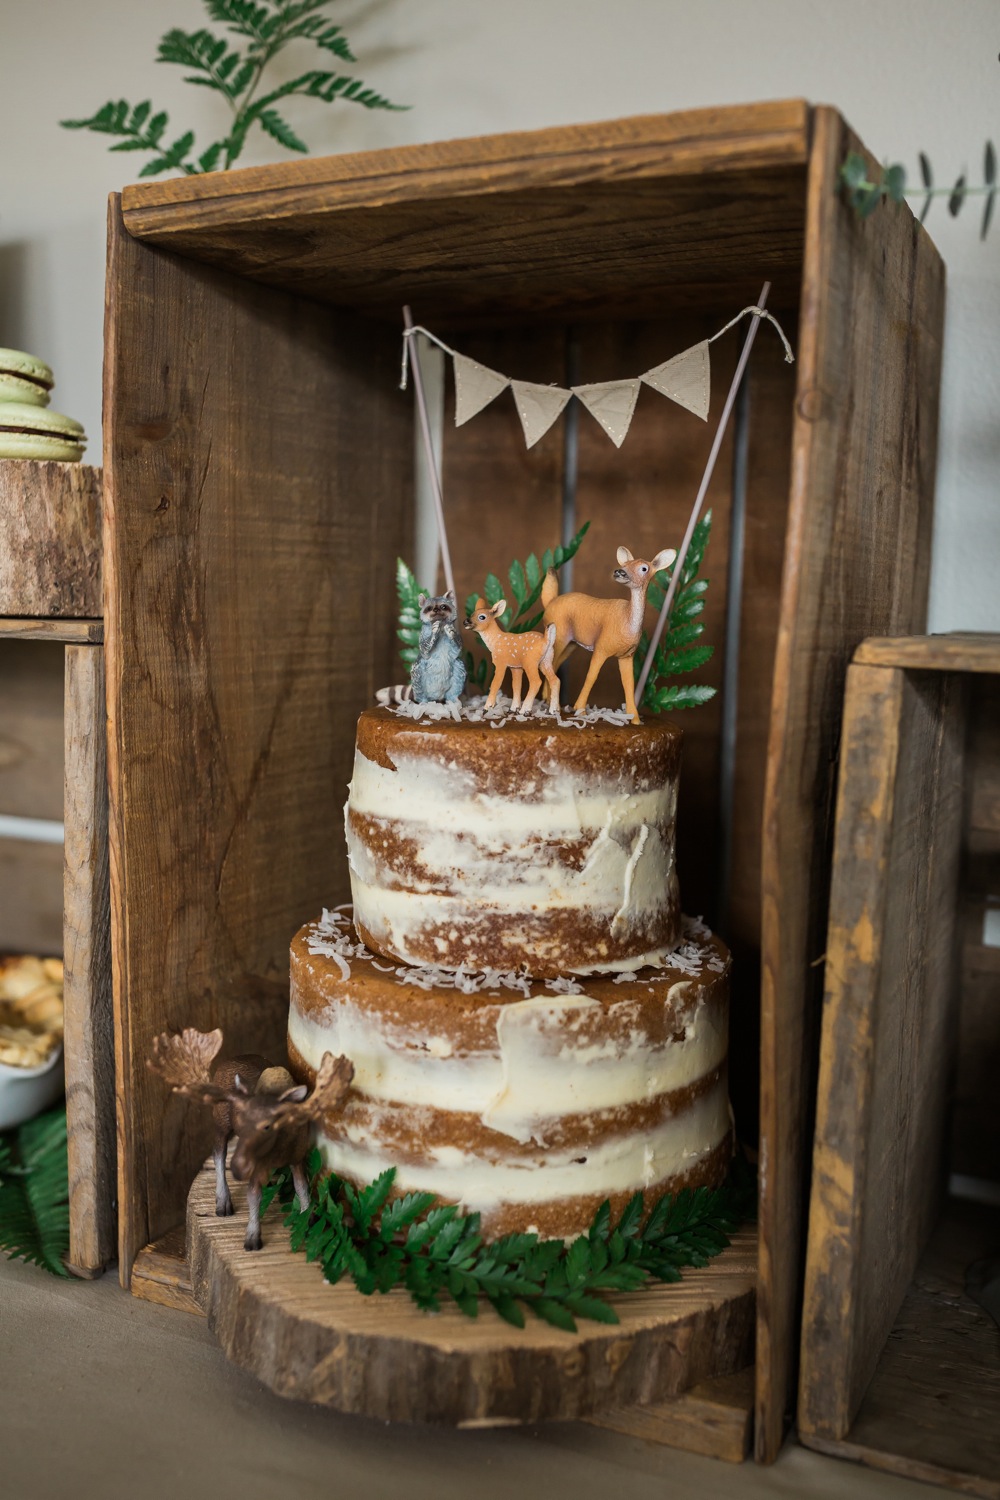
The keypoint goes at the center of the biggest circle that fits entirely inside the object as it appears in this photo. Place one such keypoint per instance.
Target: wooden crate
(259, 486)
(899, 1367)
(55, 893)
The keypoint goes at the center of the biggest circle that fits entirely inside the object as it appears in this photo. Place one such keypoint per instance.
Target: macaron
(24, 378)
(33, 432)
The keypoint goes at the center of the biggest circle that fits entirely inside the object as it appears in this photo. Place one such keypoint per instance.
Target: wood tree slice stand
(382, 1357)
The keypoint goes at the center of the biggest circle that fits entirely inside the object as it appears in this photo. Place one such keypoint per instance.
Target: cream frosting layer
(626, 1163)
(572, 871)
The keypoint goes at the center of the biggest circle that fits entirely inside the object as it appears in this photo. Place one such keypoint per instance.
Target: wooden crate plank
(548, 223)
(90, 1082)
(714, 1418)
(31, 729)
(258, 491)
(955, 651)
(161, 1274)
(888, 1027)
(30, 897)
(78, 632)
(932, 1411)
(856, 564)
(50, 538)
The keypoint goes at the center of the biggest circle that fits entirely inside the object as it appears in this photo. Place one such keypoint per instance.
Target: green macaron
(33, 432)
(24, 378)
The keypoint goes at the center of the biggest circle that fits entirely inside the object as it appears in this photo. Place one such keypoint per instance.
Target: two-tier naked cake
(533, 1025)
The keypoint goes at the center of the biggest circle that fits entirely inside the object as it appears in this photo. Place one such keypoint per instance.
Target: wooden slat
(161, 1275)
(574, 219)
(956, 651)
(856, 564)
(258, 473)
(50, 538)
(90, 1083)
(31, 729)
(75, 632)
(932, 1411)
(889, 1027)
(714, 1418)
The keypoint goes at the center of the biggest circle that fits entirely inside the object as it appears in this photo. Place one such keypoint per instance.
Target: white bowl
(25, 1092)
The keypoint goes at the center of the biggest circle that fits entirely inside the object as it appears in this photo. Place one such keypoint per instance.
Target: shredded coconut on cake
(474, 711)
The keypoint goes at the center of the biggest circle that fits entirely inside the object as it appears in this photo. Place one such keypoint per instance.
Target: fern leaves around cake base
(436, 1252)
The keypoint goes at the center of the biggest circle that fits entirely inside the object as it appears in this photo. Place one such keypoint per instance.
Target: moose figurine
(607, 627)
(261, 1105)
(522, 651)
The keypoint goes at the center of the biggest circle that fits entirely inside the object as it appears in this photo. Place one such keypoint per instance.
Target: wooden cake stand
(381, 1356)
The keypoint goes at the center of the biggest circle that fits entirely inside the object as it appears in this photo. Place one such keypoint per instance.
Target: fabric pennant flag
(538, 406)
(612, 402)
(476, 386)
(685, 379)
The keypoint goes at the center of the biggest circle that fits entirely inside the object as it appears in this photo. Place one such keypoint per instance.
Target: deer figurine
(607, 627)
(265, 1109)
(522, 651)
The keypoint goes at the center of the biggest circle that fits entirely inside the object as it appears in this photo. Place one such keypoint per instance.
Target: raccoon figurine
(438, 674)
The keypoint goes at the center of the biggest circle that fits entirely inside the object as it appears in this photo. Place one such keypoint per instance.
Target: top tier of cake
(533, 843)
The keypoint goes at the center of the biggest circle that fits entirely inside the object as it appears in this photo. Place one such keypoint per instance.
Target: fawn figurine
(265, 1109)
(522, 651)
(607, 627)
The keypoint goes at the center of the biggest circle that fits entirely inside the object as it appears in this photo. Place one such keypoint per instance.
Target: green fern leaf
(281, 131)
(34, 1193)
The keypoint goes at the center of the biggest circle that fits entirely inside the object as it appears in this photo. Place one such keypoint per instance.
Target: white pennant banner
(538, 406)
(612, 402)
(476, 386)
(685, 379)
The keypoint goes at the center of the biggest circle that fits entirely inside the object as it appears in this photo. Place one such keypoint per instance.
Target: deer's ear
(663, 559)
(624, 555)
(295, 1095)
(498, 608)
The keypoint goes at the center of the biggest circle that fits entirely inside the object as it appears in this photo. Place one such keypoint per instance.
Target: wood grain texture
(31, 729)
(558, 222)
(889, 1027)
(275, 1316)
(856, 564)
(258, 469)
(76, 632)
(90, 1048)
(975, 1141)
(956, 651)
(161, 1275)
(50, 538)
(932, 1411)
(714, 1418)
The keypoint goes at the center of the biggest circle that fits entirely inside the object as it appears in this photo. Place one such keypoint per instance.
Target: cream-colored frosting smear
(624, 1164)
(481, 855)
(544, 1067)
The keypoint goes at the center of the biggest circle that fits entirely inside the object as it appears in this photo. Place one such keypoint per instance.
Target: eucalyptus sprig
(437, 1252)
(268, 26)
(34, 1192)
(678, 651)
(865, 193)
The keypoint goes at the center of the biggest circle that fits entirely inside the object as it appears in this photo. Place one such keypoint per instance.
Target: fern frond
(34, 1193)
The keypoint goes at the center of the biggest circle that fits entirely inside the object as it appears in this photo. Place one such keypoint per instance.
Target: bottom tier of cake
(527, 1101)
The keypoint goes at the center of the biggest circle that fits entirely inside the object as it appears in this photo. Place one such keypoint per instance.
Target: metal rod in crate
(425, 430)
(706, 478)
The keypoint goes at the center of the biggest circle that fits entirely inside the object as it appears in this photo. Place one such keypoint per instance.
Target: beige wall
(908, 74)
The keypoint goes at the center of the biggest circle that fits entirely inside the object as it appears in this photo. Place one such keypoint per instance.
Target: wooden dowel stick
(706, 480)
(425, 428)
